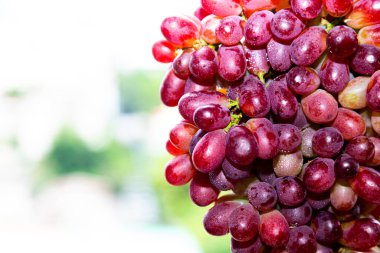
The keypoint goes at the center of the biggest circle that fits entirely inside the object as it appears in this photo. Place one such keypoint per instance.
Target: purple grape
(262, 196)
(298, 216)
(303, 80)
(290, 191)
(220, 181)
(306, 9)
(309, 46)
(289, 137)
(264, 170)
(215, 221)
(302, 240)
(254, 99)
(257, 61)
(181, 64)
(234, 172)
(323, 249)
(241, 147)
(203, 63)
(209, 152)
(318, 201)
(342, 42)
(327, 228)
(361, 148)
(319, 175)
(212, 117)
(366, 60)
(232, 63)
(230, 30)
(327, 142)
(283, 103)
(346, 167)
(334, 75)
(257, 29)
(285, 25)
(202, 192)
(279, 55)
(244, 223)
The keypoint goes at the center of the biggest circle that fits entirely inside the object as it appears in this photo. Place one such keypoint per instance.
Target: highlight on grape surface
(280, 103)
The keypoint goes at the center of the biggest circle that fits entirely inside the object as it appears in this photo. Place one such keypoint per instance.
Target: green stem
(261, 77)
(327, 24)
(235, 119)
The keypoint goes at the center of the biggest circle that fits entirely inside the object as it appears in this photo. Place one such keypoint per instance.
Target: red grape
(230, 30)
(334, 75)
(235, 172)
(212, 117)
(203, 63)
(343, 198)
(179, 170)
(327, 228)
(346, 167)
(215, 221)
(361, 148)
(370, 35)
(222, 8)
(342, 41)
(182, 31)
(241, 147)
(274, 229)
(306, 9)
(353, 96)
(220, 181)
(367, 185)
(180, 136)
(257, 61)
(349, 123)
(338, 8)
(303, 80)
(173, 150)
(320, 107)
(201, 191)
(327, 142)
(289, 137)
(366, 60)
(279, 55)
(364, 13)
(208, 32)
(262, 196)
(290, 191)
(181, 64)
(254, 245)
(163, 51)
(361, 234)
(172, 89)
(288, 164)
(373, 91)
(302, 240)
(254, 99)
(307, 142)
(318, 201)
(232, 63)
(244, 223)
(286, 26)
(257, 29)
(298, 216)
(319, 175)
(201, 13)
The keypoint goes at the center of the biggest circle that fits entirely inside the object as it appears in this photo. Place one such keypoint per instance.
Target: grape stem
(327, 24)
(236, 115)
(261, 77)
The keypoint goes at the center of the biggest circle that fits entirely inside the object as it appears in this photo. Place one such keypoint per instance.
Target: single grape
(373, 91)
(182, 31)
(327, 142)
(266, 137)
(257, 61)
(180, 136)
(232, 63)
(191, 101)
(262, 196)
(366, 60)
(257, 29)
(212, 117)
(163, 51)
(298, 216)
(279, 55)
(283, 103)
(306, 9)
(181, 64)
(215, 221)
(201, 191)
(179, 170)
(302, 240)
(327, 228)
(220, 181)
(334, 75)
(364, 13)
(222, 8)
(209, 152)
(342, 41)
(361, 148)
(338, 8)
(309, 46)
(320, 107)
(241, 147)
(361, 234)
(274, 229)
(319, 175)
(343, 198)
(302, 80)
(253, 98)
(367, 185)
(285, 25)
(346, 167)
(289, 137)
(288, 164)
(353, 96)
(349, 123)
(172, 89)
(230, 30)
(203, 63)
(370, 35)
(290, 191)
(208, 31)
(244, 223)
(235, 172)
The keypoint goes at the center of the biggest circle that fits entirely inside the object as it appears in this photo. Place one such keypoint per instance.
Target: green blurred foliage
(177, 209)
(70, 154)
(139, 90)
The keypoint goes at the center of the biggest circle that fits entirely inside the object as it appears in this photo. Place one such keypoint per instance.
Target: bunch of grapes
(281, 116)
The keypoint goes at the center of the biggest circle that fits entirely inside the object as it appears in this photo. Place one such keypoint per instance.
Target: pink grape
(208, 32)
(172, 88)
(320, 107)
(257, 62)
(257, 29)
(306, 9)
(230, 30)
(232, 63)
(279, 55)
(212, 117)
(303, 80)
(204, 63)
(163, 51)
(222, 8)
(181, 64)
(182, 31)
(274, 229)
(286, 26)
(338, 8)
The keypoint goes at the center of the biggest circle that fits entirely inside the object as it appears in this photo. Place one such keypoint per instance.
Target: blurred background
(82, 131)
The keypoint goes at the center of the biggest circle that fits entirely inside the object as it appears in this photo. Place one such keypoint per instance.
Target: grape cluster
(281, 108)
